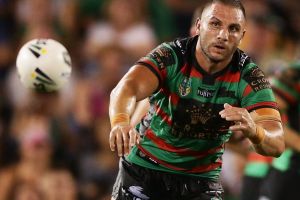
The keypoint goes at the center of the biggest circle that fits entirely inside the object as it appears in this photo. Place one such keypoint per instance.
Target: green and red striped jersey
(183, 132)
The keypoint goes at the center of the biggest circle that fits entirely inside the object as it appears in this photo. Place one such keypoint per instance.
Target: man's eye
(234, 29)
(215, 24)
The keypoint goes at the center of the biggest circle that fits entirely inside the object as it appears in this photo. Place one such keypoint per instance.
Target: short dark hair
(234, 3)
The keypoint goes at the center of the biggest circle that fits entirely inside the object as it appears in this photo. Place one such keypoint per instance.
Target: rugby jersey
(183, 132)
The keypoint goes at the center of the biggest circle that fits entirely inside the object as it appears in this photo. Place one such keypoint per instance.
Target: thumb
(226, 105)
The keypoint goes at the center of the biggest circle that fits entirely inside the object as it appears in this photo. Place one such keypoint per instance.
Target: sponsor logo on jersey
(185, 86)
(163, 56)
(205, 93)
(193, 119)
(257, 80)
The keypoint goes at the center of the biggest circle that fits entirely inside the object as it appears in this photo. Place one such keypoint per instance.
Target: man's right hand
(123, 138)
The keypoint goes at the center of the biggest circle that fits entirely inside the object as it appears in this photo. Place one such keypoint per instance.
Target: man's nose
(223, 35)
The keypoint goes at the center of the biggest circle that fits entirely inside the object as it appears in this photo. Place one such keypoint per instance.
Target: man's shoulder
(243, 62)
(182, 45)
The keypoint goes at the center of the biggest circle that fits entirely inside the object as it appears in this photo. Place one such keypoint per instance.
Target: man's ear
(244, 31)
(198, 25)
(243, 34)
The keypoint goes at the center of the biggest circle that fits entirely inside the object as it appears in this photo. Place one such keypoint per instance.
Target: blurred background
(55, 146)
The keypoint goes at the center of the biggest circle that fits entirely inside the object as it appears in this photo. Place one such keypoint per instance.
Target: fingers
(133, 138)
(119, 143)
(112, 138)
(231, 113)
(122, 138)
(226, 106)
(234, 116)
(238, 127)
(241, 117)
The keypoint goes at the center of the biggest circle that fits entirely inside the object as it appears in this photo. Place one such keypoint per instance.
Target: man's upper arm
(256, 90)
(266, 117)
(143, 80)
(162, 62)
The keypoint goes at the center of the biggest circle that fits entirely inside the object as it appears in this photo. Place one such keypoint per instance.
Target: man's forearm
(273, 141)
(122, 100)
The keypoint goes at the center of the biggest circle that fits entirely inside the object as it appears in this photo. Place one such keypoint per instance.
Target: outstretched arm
(263, 127)
(136, 85)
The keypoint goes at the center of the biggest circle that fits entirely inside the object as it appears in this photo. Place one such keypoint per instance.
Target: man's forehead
(223, 12)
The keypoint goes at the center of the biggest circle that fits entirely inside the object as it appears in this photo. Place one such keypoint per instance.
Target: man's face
(221, 29)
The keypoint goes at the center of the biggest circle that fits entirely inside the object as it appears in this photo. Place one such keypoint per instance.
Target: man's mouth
(222, 47)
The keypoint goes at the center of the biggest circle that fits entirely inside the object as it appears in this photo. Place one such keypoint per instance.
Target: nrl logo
(185, 86)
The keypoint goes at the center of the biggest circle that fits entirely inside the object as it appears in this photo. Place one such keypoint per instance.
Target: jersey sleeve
(162, 61)
(256, 89)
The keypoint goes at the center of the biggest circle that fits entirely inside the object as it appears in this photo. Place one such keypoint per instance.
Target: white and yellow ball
(44, 65)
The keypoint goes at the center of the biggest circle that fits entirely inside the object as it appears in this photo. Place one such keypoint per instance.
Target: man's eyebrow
(235, 25)
(215, 18)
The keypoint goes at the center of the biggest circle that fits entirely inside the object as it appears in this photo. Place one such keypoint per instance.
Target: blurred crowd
(55, 146)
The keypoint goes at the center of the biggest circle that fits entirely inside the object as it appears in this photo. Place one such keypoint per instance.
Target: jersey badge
(185, 86)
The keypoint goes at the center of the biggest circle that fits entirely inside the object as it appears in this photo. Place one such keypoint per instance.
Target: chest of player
(196, 103)
(206, 89)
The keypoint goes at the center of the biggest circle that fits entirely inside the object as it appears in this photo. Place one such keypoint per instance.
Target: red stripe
(247, 90)
(184, 70)
(255, 157)
(158, 160)
(262, 104)
(174, 98)
(195, 73)
(164, 116)
(199, 169)
(206, 168)
(230, 77)
(163, 74)
(192, 70)
(180, 151)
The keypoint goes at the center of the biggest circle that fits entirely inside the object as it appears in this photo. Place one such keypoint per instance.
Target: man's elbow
(280, 145)
(280, 149)
(113, 93)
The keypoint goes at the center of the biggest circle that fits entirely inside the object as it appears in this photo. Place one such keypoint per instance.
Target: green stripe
(283, 162)
(257, 169)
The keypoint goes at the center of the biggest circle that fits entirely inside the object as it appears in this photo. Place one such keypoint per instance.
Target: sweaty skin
(221, 29)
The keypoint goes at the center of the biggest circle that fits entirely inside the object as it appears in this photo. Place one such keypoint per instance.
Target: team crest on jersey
(185, 86)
